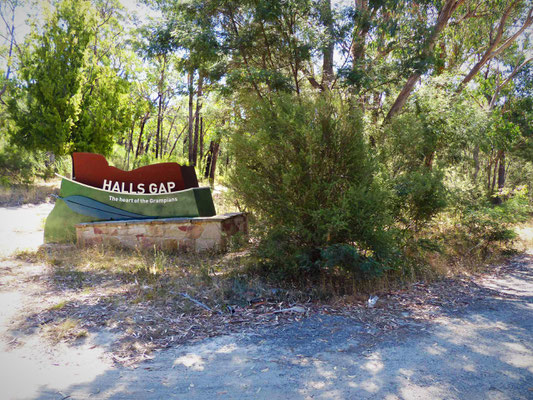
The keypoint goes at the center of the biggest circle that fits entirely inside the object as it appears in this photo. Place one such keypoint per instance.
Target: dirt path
(21, 228)
(31, 367)
(482, 351)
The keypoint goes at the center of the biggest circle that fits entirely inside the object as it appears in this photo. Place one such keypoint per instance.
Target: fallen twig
(297, 309)
(198, 303)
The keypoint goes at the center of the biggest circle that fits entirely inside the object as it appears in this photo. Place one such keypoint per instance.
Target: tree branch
(444, 16)
(507, 80)
(493, 49)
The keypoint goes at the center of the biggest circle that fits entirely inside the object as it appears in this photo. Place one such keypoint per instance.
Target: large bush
(19, 166)
(304, 168)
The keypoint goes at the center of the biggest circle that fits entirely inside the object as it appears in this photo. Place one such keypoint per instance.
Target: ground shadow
(483, 352)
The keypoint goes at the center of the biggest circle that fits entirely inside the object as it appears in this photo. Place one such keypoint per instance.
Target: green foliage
(69, 97)
(419, 144)
(519, 110)
(434, 129)
(304, 167)
(329, 191)
(501, 134)
(421, 194)
(486, 224)
(19, 166)
(347, 257)
(148, 159)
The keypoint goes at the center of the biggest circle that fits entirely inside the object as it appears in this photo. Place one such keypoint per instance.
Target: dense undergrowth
(340, 205)
(340, 201)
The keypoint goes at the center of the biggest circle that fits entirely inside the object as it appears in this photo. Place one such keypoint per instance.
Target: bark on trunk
(201, 138)
(129, 148)
(197, 119)
(444, 15)
(141, 130)
(501, 170)
(211, 161)
(148, 140)
(489, 169)
(176, 141)
(476, 162)
(428, 160)
(214, 159)
(496, 46)
(329, 46)
(191, 108)
(494, 176)
(165, 146)
(161, 95)
(209, 157)
(403, 96)
(359, 40)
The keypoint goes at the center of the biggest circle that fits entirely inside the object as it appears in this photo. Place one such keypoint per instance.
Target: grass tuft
(58, 306)
(67, 330)
(39, 192)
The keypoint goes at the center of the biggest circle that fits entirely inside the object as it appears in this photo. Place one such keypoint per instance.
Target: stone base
(172, 234)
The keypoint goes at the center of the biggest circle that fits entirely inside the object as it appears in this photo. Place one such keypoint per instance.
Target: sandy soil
(481, 351)
(21, 228)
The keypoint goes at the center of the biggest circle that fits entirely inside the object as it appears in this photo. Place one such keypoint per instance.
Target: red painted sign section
(94, 170)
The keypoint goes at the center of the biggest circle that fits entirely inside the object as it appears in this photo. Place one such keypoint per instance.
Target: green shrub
(487, 225)
(18, 166)
(421, 194)
(347, 257)
(304, 168)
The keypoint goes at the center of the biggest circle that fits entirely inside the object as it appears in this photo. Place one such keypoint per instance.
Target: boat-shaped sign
(125, 197)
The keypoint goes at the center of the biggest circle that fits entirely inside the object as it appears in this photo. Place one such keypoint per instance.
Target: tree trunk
(428, 160)
(494, 176)
(489, 169)
(141, 130)
(444, 15)
(214, 159)
(161, 96)
(201, 138)
(506, 81)
(211, 161)
(327, 61)
(208, 158)
(403, 96)
(148, 141)
(176, 141)
(359, 36)
(158, 129)
(496, 46)
(501, 170)
(165, 146)
(130, 145)
(197, 118)
(476, 162)
(190, 79)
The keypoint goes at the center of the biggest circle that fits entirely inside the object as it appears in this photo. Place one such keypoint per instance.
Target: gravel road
(484, 351)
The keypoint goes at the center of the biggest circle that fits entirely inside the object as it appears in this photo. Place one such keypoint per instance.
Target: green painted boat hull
(60, 223)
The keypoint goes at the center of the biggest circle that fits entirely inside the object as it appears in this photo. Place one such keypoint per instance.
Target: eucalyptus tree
(10, 46)
(201, 59)
(377, 54)
(507, 88)
(389, 46)
(154, 44)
